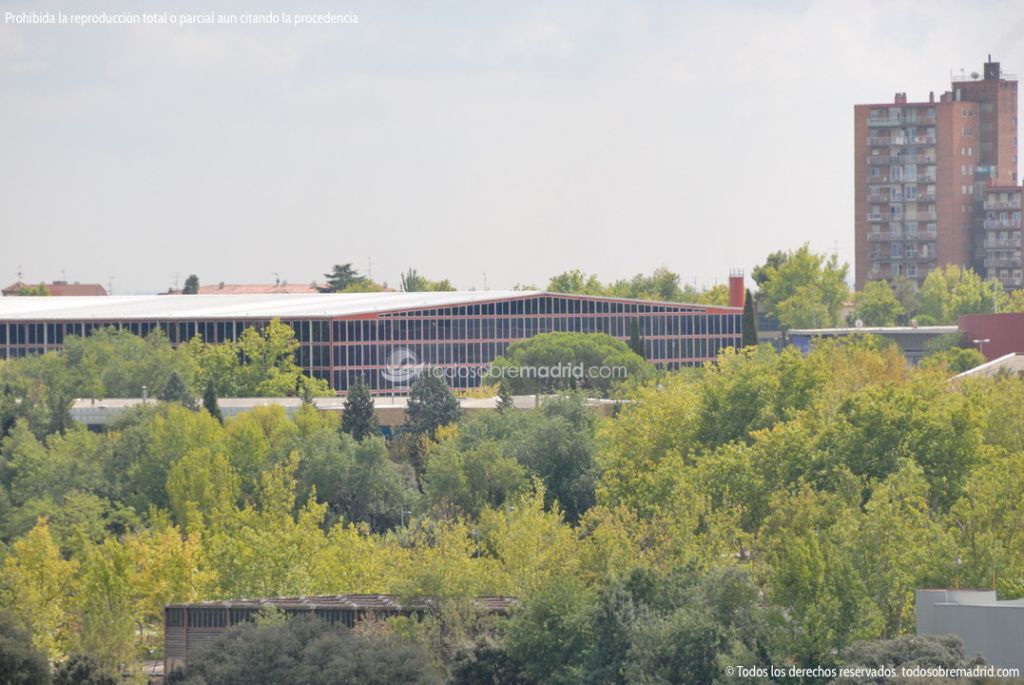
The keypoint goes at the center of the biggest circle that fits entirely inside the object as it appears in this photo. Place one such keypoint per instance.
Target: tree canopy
(552, 362)
(802, 289)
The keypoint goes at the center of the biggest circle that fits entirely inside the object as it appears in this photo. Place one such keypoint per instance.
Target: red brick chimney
(736, 288)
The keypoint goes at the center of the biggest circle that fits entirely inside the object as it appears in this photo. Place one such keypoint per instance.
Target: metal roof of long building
(127, 307)
(187, 307)
(383, 603)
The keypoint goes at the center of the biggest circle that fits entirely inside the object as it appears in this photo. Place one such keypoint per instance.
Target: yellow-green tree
(38, 587)
(106, 608)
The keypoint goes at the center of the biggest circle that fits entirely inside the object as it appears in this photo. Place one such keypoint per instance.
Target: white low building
(987, 626)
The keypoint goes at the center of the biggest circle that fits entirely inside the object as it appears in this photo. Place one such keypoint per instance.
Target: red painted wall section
(1005, 332)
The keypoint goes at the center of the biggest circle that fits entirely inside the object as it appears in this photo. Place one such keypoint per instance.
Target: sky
(493, 144)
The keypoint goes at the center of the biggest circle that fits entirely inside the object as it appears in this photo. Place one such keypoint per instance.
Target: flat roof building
(188, 627)
(56, 289)
(987, 626)
(912, 340)
(382, 337)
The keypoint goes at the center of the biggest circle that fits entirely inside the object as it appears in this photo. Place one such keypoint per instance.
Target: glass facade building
(384, 337)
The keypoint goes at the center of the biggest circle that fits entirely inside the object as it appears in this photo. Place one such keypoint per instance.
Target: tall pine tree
(431, 405)
(357, 418)
(636, 341)
(210, 402)
(505, 400)
(749, 320)
(176, 390)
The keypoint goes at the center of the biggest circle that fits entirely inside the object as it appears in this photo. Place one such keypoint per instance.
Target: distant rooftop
(1012, 363)
(57, 289)
(129, 307)
(876, 330)
(376, 603)
(260, 289)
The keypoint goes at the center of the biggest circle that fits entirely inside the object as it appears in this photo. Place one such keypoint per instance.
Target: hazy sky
(519, 139)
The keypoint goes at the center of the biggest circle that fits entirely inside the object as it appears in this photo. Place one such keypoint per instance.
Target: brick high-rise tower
(922, 169)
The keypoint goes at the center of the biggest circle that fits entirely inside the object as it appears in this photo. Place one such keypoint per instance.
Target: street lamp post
(981, 345)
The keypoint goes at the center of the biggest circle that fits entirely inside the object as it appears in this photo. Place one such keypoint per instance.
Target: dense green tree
(20, 662)
(906, 292)
(721, 620)
(807, 542)
(955, 360)
(506, 400)
(191, 285)
(662, 285)
(175, 390)
(431, 405)
(116, 363)
(341, 277)
(802, 289)
(269, 367)
(876, 305)
(557, 444)
(413, 282)
(553, 362)
(210, 403)
(764, 272)
(377, 489)
(80, 669)
(307, 651)
(749, 321)
(550, 634)
(34, 584)
(576, 282)
(900, 547)
(951, 291)
(487, 662)
(470, 478)
(922, 651)
(10, 410)
(358, 418)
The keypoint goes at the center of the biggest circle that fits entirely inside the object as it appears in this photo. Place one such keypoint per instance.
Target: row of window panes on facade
(899, 250)
(682, 322)
(998, 239)
(901, 193)
(518, 327)
(221, 617)
(903, 114)
(909, 229)
(898, 269)
(1003, 200)
(1001, 219)
(1010, 278)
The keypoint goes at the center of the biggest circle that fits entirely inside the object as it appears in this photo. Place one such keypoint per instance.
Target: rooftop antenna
(485, 280)
(110, 285)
